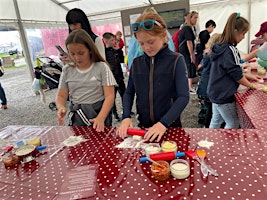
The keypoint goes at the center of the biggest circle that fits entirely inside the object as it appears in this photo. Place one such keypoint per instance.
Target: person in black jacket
(2, 92)
(204, 36)
(158, 78)
(113, 58)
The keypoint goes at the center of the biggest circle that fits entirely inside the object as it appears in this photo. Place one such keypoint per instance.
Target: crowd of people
(160, 79)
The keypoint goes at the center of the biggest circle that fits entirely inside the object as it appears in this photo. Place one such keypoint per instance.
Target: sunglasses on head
(147, 25)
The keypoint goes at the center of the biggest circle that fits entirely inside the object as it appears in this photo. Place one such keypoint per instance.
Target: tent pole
(24, 40)
(249, 19)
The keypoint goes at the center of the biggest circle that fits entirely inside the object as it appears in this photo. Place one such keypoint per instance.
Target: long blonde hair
(215, 38)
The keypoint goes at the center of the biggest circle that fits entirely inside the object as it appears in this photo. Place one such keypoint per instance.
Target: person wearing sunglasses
(134, 49)
(158, 79)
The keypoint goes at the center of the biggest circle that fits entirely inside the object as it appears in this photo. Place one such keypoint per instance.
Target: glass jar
(152, 148)
(261, 71)
(10, 160)
(160, 170)
(180, 168)
(169, 146)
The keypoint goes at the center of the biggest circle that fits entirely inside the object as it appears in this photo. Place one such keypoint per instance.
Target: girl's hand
(98, 124)
(157, 130)
(253, 77)
(258, 86)
(125, 124)
(61, 115)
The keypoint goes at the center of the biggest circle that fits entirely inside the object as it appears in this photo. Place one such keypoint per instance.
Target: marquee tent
(23, 14)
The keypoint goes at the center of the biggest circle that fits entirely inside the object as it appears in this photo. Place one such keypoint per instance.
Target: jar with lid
(152, 148)
(169, 146)
(180, 168)
(160, 170)
(10, 160)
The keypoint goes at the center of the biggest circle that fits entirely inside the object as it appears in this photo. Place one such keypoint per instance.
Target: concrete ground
(26, 108)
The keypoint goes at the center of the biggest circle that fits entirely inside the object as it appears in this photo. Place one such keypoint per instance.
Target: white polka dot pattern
(251, 108)
(239, 156)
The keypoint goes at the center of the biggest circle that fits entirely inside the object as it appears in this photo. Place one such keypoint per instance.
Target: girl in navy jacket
(158, 79)
(226, 73)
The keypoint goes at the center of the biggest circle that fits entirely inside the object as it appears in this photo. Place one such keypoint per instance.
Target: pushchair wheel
(53, 106)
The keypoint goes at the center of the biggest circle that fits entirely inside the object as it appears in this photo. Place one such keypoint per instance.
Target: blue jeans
(2, 95)
(224, 113)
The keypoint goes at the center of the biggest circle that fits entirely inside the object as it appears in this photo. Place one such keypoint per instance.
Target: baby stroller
(50, 71)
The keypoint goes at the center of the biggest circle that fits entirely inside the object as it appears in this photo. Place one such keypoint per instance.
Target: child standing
(205, 113)
(88, 82)
(157, 78)
(113, 58)
(226, 73)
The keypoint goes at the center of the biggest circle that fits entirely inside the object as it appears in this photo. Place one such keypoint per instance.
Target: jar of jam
(160, 170)
(10, 160)
(169, 146)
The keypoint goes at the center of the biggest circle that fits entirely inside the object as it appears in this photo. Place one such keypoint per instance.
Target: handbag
(1, 73)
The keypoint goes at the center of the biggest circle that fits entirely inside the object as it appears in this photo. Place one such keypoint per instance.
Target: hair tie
(237, 15)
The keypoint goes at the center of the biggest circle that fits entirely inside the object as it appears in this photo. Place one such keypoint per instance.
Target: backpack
(175, 40)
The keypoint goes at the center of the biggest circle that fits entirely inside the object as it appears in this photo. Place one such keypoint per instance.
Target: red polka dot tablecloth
(239, 156)
(252, 109)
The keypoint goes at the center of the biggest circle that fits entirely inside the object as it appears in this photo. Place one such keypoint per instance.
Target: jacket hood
(217, 50)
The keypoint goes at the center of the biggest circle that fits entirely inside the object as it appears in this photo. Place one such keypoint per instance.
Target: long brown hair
(80, 36)
(234, 22)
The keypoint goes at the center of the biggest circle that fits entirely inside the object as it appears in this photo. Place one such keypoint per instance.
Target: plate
(25, 150)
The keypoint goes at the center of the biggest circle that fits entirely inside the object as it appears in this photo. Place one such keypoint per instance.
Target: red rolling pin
(139, 132)
(163, 156)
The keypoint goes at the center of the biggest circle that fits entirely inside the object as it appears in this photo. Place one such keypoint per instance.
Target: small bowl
(261, 71)
(152, 148)
(180, 168)
(262, 55)
(169, 146)
(262, 63)
(25, 150)
(161, 171)
(10, 160)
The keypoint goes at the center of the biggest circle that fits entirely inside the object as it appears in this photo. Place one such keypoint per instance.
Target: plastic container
(261, 71)
(180, 168)
(169, 146)
(161, 171)
(34, 141)
(152, 148)
(11, 160)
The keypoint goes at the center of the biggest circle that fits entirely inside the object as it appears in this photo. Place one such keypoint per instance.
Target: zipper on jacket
(151, 74)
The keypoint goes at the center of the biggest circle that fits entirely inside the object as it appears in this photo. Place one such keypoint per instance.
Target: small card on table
(79, 182)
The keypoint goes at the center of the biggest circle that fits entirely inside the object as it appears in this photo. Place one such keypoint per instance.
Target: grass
(14, 67)
(12, 57)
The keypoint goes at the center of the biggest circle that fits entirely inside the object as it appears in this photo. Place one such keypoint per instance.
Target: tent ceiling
(51, 13)
(98, 7)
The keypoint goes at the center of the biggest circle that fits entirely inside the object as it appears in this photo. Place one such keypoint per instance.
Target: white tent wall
(33, 13)
(253, 10)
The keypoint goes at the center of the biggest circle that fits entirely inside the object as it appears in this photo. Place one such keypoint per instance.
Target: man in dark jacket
(112, 57)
